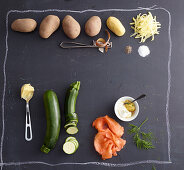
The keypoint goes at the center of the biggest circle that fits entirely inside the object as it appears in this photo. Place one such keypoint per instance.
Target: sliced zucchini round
(70, 138)
(70, 124)
(72, 130)
(76, 143)
(69, 148)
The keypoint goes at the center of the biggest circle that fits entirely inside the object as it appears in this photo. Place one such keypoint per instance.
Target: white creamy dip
(122, 110)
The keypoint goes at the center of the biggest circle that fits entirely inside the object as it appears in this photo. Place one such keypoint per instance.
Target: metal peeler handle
(28, 128)
(75, 45)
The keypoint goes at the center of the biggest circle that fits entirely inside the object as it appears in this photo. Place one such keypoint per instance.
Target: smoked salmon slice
(100, 124)
(103, 146)
(108, 140)
(103, 123)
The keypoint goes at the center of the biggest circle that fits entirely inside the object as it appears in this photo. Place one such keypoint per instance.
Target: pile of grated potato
(145, 26)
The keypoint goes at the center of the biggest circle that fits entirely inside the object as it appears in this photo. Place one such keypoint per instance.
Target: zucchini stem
(76, 85)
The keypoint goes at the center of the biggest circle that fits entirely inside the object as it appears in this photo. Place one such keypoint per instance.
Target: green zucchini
(53, 118)
(71, 117)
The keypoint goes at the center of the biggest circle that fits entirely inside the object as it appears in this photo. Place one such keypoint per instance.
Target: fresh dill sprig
(153, 167)
(134, 128)
(141, 139)
(147, 136)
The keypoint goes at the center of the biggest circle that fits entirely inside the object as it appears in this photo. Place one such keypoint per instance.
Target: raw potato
(115, 26)
(24, 25)
(49, 25)
(71, 27)
(93, 26)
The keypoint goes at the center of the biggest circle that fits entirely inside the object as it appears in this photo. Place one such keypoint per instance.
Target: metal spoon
(140, 97)
(27, 97)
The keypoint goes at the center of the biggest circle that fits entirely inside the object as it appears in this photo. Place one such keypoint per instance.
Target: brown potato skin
(71, 27)
(49, 25)
(93, 26)
(24, 25)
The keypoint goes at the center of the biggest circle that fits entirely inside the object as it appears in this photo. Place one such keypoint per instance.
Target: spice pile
(143, 51)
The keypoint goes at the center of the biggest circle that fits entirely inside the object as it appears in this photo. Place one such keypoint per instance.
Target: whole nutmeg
(128, 49)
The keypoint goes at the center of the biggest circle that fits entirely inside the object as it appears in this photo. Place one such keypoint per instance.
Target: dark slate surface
(104, 78)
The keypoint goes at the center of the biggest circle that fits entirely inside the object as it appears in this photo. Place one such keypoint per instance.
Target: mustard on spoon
(27, 92)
